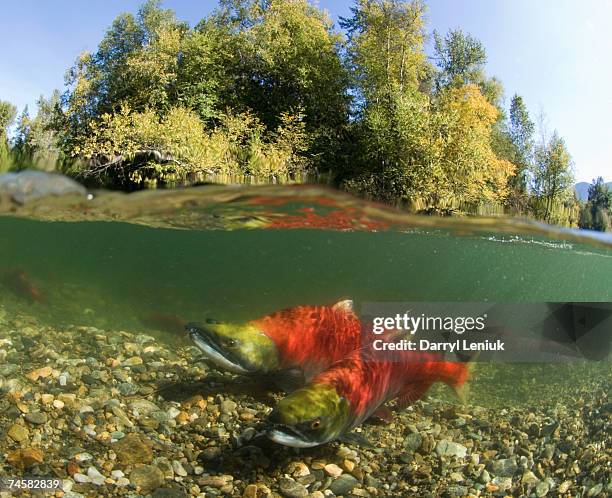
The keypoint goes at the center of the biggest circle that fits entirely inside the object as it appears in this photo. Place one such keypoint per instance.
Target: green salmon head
(309, 417)
(238, 348)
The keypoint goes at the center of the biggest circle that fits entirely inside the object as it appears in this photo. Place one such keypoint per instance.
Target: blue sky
(556, 53)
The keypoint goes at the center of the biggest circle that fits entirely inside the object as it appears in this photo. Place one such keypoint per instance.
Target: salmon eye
(212, 321)
(315, 424)
(230, 343)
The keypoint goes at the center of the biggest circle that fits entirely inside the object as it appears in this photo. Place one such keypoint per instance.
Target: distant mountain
(582, 190)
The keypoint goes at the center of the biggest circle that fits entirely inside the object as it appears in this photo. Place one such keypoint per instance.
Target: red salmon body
(19, 283)
(313, 337)
(367, 379)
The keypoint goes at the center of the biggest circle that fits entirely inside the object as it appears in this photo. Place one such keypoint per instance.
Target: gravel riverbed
(115, 413)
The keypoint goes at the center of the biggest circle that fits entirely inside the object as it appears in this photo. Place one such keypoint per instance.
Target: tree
(37, 142)
(516, 144)
(7, 115)
(135, 63)
(289, 62)
(386, 58)
(552, 177)
(460, 58)
(595, 215)
(273, 60)
(471, 170)
(128, 149)
(436, 147)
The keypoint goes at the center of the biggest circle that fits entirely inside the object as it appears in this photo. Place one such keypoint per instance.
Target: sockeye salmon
(353, 389)
(293, 345)
(19, 283)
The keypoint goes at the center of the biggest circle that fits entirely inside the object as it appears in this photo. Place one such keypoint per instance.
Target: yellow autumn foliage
(238, 146)
(465, 165)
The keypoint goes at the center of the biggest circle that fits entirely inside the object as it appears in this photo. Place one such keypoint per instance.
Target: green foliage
(413, 144)
(386, 47)
(37, 143)
(7, 115)
(460, 58)
(596, 214)
(552, 177)
(130, 148)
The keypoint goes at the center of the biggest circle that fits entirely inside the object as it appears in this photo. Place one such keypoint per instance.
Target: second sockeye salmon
(292, 345)
(355, 388)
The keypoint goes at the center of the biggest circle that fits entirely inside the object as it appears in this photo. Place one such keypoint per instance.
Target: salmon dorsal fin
(345, 305)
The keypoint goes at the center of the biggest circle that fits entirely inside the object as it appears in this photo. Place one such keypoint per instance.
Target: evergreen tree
(596, 214)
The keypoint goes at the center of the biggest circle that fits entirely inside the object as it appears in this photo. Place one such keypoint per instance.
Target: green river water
(236, 254)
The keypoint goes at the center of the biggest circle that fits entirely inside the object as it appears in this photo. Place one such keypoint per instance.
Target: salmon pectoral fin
(355, 439)
(289, 380)
(383, 413)
(412, 393)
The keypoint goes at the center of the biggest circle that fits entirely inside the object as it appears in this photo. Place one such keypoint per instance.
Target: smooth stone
(83, 457)
(595, 490)
(292, 489)
(343, 484)
(96, 477)
(332, 470)
(133, 361)
(503, 483)
(147, 477)
(542, 489)
(37, 418)
(529, 478)
(160, 416)
(455, 490)
(143, 406)
(178, 468)
(413, 441)
(228, 406)
(132, 449)
(215, 481)
(505, 467)
(165, 466)
(449, 448)
(82, 478)
(18, 433)
(127, 388)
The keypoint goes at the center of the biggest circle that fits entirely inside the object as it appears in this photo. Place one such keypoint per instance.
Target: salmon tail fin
(459, 382)
(462, 392)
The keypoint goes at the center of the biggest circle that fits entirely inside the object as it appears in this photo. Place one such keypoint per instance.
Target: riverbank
(115, 413)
